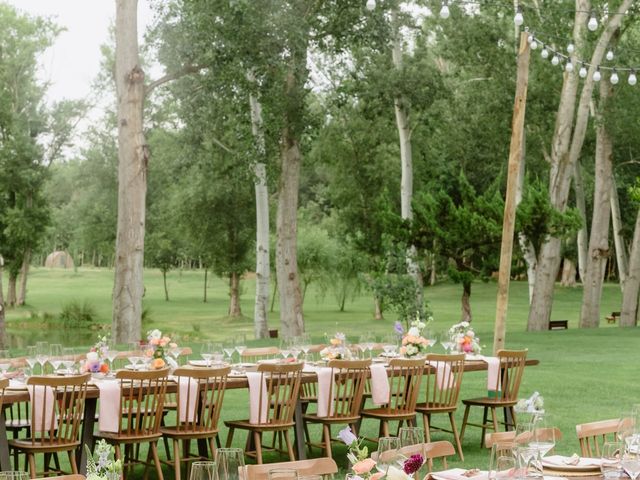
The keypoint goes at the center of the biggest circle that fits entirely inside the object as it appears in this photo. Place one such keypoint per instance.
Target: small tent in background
(59, 259)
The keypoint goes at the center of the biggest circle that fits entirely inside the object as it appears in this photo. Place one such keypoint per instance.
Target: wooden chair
(282, 387)
(259, 353)
(405, 376)
(315, 466)
(198, 417)
(344, 398)
(60, 407)
(142, 395)
(442, 394)
(441, 449)
(507, 386)
(593, 434)
(510, 437)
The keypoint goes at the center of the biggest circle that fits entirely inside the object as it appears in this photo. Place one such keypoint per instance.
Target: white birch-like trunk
(24, 275)
(629, 310)
(583, 235)
(263, 272)
(133, 156)
(599, 239)
(622, 260)
(565, 152)
(568, 278)
(526, 246)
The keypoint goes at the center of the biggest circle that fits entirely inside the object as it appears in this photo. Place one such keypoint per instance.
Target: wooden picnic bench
(613, 317)
(558, 324)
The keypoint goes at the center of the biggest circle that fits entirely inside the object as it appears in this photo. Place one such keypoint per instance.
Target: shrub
(78, 315)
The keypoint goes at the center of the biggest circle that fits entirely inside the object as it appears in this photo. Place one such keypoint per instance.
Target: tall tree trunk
(565, 152)
(377, 308)
(263, 269)
(583, 234)
(24, 273)
(164, 282)
(401, 108)
(11, 290)
(622, 260)
(599, 239)
(133, 156)
(3, 328)
(204, 293)
(629, 311)
(466, 302)
(568, 278)
(526, 246)
(234, 295)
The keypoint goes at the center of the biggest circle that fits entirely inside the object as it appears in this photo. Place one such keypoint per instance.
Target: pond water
(21, 338)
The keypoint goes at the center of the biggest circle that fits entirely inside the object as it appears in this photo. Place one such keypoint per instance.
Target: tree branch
(186, 70)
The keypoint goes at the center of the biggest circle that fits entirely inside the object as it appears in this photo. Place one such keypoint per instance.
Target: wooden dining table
(235, 382)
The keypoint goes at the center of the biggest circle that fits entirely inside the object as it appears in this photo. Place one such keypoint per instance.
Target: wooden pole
(508, 225)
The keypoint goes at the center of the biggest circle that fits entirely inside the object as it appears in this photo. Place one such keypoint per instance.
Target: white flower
(538, 403)
(464, 324)
(92, 357)
(156, 334)
(340, 336)
(394, 473)
(411, 350)
(414, 332)
(471, 333)
(347, 436)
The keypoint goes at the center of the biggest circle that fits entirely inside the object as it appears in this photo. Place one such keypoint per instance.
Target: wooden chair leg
(230, 436)
(212, 446)
(385, 428)
(464, 422)
(176, 458)
(287, 440)
(326, 431)
(455, 435)
(72, 461)
(426, 425)
(257, 438)
(32, 465)
(484, 426)
(156, 460)
(494, 417)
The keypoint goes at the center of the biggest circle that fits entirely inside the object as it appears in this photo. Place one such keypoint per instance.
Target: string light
(593, 22)
(534, 45)
(632, 80)
(371, 4)
(444, 11)
(569, 66)
(518, 19)
(583, 71)
(597, 75)
(570, 48)
(610, 55)
(614, 77)
(544, 53)
(555, 60)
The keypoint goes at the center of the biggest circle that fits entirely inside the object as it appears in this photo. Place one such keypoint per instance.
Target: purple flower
(397, 327)
(347, 436)
(413, 464)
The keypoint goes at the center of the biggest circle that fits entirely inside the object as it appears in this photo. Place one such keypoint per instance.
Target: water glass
(203, 471)
(411, 436)
(55, 356)
(14, 475)
(529, 463)
(229, 463)
(631, 458)
(388, 453)
(500, 450)
(543, 434)
(611, 466)
(506, 468)
(283, 474)
(42, 354)
(206, 352)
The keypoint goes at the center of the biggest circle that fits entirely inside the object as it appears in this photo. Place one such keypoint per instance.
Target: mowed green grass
(584, 375)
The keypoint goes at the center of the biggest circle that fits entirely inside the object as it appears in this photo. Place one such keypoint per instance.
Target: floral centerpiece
(104, 468)
(157, 348)
(337, 348)
(363, 466)
(464, 339)
(95, 361)
(413, 343)
(534, 404)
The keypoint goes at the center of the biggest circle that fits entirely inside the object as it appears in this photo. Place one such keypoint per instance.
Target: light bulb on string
(371, 4)
(569, 66)
(555, 60)
(632, 80)
(597, 75)
(570, 48)
(530, 38)
(444, 11)
(610, 55)
(544, 53)
(614, 77)
(583, 71)
(593, 22)
(534, 44)
(518, 19)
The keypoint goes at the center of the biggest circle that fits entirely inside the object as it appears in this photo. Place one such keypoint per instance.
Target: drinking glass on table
(206, 352)
(610, 465)
(55, 356)
(229, 463)
(367, 342)
(304, 342)
(505, 468)
(390, 345)
(68, 359)
(627, 427)
(410, 436)
(529, 462)
(42, 354)
(229, 347)
(217, 354)
(134, 355)
(631, 458)
(203, 471)
(5, 361)
(32, 354)
(524, 434)
(175, 351)
(501, 450)
(388, 453)
(543, 434)
(285, 348)
(240, 348)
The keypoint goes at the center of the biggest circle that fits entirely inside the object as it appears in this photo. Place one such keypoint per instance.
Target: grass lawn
(584, 375)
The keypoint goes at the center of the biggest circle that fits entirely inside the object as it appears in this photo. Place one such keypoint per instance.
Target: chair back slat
(593, 435)
(59, 402)
(142, 398)
(201, 414)
(405, 378)
(259, 353)
(347, 386)
(512, 363)
(282, 389)
(316, 466)
(443, 391)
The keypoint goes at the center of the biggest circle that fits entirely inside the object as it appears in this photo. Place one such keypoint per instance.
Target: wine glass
(445, 341)
(611, 455)
(5, 361)
(390, 345)
(229, 347)
(229, 463)
(631, 458)
(411, 436)
(304, 341)
(31, 359)
(42, 354)
(285, 349)
(240, 348)
(203, 471)
(217, 354)
(134, 354)
(366, 342)
(175, 351)
(542, 434)
(206, 352)
(55, 356)
(111, 352)
(387, 453)
(68, 359)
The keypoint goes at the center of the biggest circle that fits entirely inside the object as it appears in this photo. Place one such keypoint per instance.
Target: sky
(73, 62)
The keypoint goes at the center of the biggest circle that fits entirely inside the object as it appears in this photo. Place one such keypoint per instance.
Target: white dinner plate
(203, 363)
(558, 462)
(131, 366)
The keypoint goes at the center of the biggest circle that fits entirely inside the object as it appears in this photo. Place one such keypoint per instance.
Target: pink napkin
(379, 384)
(325, 380)
(109, 407)
(493, 374)
(444, 378)
(258, 401)
(188, 392)
(457, 474)
(39, 394)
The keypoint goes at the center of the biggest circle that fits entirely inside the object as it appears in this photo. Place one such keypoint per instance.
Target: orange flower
(157, 363)
(363, 466)
(104, 368)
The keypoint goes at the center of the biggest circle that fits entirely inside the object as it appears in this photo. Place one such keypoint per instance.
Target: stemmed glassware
(367, 342)
(542, 434)
(111, 353)
(55, 358)
(32, 357)
(175, 352)
(206, 352)
(68, 359)
(5, 361)
(304, 341)
(229, 348)
(229, 463)
(390, 345)
(134, 355)
(445, 341)
(240, 347)
(631, 458)
(42, 354)
(285, 348)
(217, 354)
(387, 453)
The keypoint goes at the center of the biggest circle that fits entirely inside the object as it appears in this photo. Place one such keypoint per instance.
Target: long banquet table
(14, 395)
